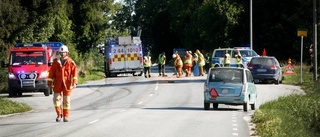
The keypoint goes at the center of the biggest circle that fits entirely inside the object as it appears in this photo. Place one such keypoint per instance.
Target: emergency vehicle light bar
(29, 45)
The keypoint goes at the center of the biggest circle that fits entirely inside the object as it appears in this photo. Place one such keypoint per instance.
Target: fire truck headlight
(32, 76)
(43, 74)
(12, 76)
(23, 76)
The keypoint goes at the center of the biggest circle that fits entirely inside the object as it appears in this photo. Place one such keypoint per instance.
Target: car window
(262, 61)
(226, 75)
(249, 76)
(220, 53)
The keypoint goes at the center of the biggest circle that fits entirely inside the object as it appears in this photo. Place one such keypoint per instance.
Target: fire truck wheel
(46, 92)
(19, 93)
(140, 74)
(12, 93)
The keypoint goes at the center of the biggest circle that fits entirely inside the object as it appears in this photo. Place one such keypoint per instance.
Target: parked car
(218, 56)
(230, 86)
(266, 69)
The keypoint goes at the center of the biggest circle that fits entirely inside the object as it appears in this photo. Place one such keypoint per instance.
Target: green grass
(293, 115)
(8, 107)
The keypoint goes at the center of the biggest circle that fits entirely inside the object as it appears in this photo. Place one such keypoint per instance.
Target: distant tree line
(165, 24)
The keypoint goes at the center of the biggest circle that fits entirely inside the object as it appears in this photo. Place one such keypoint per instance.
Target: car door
(251, 86)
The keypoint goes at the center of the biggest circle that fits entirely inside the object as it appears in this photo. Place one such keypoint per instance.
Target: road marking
(94, 121)
(140, 102)
(157, 85)
(234, 121)
(235, 125)
(235, 134)
(235, 129)
(150, 94)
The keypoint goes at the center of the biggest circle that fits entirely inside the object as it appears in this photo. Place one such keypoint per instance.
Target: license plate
(262, 70)
(225, 91)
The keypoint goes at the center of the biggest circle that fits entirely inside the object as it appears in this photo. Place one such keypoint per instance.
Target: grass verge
(9, 107)
(293, 115)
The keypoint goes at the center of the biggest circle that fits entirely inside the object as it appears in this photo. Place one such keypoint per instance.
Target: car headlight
(12, 76)
(44, 74)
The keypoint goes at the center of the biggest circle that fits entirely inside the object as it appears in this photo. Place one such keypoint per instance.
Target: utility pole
(251, 41)
(315, 41)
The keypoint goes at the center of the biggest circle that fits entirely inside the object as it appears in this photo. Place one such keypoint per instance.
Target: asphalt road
(127, 106)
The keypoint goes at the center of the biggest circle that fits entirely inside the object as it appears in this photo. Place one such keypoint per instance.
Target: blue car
(230, 86)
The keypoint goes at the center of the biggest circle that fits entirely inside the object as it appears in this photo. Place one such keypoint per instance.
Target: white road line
(234, 121)
(140, 102)
(150, 95)
(235, 129)
(157, 85)
(235, 125)
(94, 121)
(235, 134)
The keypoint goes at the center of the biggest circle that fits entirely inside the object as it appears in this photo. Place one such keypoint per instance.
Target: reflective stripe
(57, 104)
(50, 79)
(75, 78)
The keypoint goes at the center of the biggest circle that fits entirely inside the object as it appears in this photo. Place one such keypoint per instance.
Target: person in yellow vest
(238, 59)
(226, 62)
(162, 63)
(147, 64)
(178, 64)
(201, 62)
(188, 63)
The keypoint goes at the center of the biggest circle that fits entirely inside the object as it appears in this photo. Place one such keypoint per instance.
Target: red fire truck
(29, 66)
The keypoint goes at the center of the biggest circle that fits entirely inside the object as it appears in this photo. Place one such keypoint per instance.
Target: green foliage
(9, 107)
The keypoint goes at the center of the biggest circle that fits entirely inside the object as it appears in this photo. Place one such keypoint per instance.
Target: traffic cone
(264, 53)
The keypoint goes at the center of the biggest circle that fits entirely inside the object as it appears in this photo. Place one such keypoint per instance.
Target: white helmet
(174, 56)
(63, 48)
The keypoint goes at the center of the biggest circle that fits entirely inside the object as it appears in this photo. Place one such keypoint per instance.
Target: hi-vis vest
(227, 59)
(188, 59)
(178, 61)
(162, 59)
(238, 59)
(147, 61)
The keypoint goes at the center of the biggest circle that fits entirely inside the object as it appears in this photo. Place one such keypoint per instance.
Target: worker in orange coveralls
(188, 63)
(63, 76)
(178, 64)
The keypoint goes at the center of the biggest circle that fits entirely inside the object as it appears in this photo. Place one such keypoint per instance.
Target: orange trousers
(65, 97)
(187, 68)
(179, 71)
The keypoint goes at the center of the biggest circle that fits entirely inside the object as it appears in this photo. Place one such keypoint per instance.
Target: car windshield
(248, 53)
(226, 75)
(30, 57)
(262, 61)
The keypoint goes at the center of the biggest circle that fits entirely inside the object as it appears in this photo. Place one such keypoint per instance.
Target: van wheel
(12, 93)
(215, 105)
(245, 106)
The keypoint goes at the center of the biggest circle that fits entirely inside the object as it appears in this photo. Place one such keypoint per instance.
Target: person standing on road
(226, 62)
(147, 64)
(238, 59)
(201, 62)
(63, 78)
(188, 63)
(178, 64)
(162, 63)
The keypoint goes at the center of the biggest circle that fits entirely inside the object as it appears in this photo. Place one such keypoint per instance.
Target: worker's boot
(65, 120)
(59, 117)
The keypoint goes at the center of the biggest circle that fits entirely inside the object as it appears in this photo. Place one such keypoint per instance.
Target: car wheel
(277, 81)
(215, 105)
(253, 106)
(206, 106)
(245, 106)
